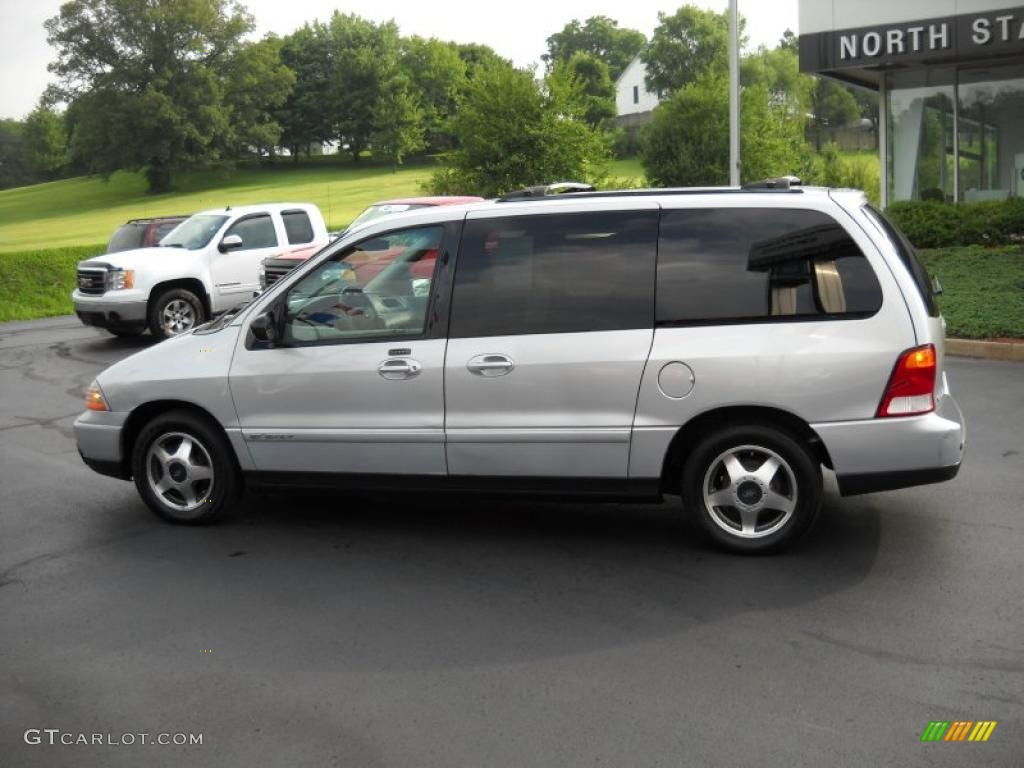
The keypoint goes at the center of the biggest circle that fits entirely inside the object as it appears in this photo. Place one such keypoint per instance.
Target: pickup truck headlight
(119, 279)
(263, 275)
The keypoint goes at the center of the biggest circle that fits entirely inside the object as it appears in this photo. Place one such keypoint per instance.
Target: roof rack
(575, 189)
(547, 190)
(782, 182)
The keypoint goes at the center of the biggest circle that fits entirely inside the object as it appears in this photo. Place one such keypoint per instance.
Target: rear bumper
(109, 314)
(885, 454)
(872, 482)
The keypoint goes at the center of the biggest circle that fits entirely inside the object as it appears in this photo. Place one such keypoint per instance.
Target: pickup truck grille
(274, 272)
(92, 281)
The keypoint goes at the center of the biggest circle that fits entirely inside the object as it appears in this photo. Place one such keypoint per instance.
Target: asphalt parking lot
(406, 631)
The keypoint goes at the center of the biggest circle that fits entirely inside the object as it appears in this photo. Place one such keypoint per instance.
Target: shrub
(687, 140)
(931, 224)
(830, 169)
(513, 134)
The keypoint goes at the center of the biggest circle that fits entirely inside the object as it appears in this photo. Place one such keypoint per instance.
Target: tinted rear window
(298, 227)
(556, 273)
(757, 264)
(126, 237)
(908, 256)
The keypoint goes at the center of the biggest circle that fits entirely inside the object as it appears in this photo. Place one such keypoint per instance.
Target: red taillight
(911, 388)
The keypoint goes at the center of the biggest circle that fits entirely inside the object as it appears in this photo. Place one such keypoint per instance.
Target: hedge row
(933, 224)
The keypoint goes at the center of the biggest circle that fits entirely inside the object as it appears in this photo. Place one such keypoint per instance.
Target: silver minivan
(722, 345)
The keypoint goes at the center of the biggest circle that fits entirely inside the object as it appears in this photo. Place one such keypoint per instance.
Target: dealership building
(950, 80)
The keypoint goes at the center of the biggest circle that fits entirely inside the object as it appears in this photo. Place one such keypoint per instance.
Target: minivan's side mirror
(229, 243)
(264, 327)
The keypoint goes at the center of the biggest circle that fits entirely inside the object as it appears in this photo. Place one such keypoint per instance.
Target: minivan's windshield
(194, 232)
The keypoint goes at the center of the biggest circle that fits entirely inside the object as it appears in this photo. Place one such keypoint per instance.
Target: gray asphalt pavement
(351, 631)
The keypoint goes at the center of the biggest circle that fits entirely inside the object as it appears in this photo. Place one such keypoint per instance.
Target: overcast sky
(516, 30)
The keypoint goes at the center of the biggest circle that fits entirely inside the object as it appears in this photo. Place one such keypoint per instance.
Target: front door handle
(490, 365)
(399, 368)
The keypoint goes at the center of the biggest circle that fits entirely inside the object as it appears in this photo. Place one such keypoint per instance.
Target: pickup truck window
(298, 227)
(195, 232)
(256, 232)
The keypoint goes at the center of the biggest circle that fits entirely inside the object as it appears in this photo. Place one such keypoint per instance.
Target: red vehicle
(277, 267)
(142, 233)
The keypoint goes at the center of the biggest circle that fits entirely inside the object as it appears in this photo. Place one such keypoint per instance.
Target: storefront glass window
(920, 115)
(991, 132)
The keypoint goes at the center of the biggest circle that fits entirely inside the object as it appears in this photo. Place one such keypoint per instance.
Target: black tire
(126, 333)
(180, 303)
(187, 501)
(779, 511)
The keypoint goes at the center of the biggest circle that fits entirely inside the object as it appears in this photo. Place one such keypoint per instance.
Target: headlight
(263, 276)
(120, 279)
(94, 399)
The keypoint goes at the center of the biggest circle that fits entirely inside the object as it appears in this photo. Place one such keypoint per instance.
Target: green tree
(45, 142)
(14, 171)
(587, 87)
(305, 118)
(599, 36)
(778, 70)
(832, 105)
(366, 56)
(477, 56)
(398, 127)
(147, 83)
(686, 46)
(437, 75)
(512, 134)
(687, 142)
(255, 79)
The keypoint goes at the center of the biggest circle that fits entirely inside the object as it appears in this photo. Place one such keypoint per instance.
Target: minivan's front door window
(377, 288)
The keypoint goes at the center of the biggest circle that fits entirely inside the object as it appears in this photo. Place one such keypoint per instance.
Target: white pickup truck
(206, 265)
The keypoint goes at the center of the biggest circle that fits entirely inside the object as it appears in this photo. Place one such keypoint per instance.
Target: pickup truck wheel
(126, 333)
(754, 488)
(174, 312)
(184, 469)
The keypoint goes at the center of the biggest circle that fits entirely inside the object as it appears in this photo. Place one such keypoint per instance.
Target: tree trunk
(158, 176)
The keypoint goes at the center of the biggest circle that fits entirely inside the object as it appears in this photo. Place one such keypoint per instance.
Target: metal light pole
(734, 95)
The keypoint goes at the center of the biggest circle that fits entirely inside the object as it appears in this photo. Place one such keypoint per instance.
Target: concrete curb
(987, 350)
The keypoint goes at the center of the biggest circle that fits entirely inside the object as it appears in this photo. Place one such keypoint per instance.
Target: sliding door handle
(490, 365)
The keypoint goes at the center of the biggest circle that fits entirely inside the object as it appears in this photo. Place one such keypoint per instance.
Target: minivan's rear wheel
(754, 489)
(184, 469)
(174, 312)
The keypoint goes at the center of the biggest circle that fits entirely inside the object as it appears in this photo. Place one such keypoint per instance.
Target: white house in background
(631, 94)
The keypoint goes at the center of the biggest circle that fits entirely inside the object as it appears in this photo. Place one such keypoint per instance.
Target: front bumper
(101, 312)
(885, 454)
(98, 435)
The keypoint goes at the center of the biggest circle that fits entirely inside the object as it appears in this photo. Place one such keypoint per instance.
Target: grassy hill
(86, 210)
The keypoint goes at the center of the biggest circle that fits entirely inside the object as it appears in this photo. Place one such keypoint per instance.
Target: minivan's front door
(552, 321)
(356, 384)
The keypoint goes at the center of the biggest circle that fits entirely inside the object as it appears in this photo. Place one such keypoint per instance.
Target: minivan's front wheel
(184, 469)
(754, 489)
(174, 312)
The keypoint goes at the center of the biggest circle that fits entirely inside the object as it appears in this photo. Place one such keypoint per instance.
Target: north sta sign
(951, 38)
